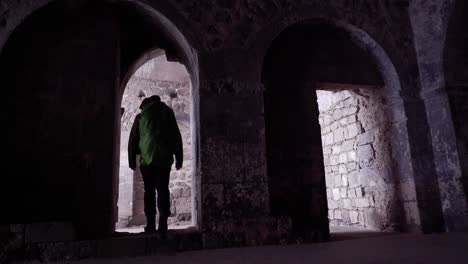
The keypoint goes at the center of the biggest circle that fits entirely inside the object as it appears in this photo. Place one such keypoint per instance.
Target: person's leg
(164, 204)
(149, 180)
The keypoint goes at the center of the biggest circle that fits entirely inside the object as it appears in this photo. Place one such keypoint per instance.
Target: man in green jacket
(155, 136)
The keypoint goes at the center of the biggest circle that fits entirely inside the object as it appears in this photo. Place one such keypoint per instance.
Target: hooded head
(150, 100)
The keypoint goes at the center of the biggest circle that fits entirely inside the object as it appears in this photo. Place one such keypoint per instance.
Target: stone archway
(308, 162)
(67, 94)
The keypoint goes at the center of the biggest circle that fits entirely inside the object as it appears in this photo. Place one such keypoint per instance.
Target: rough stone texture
(440, 34)
(70, 86)
(171, 82)
(363, 183)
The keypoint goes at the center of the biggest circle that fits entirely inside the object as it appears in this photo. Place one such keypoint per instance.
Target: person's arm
(178, 150)
(133, 143)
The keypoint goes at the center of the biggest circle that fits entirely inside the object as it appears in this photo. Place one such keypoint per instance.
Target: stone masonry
(357, 158)
(171, 81)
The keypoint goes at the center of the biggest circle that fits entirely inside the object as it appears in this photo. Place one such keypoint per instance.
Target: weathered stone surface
(366, 138)
(365, 154)
(338, 215)
(361, 202)
(338, 135)
(354, 217)
(336, 194)
(359, 162)
(231, 40)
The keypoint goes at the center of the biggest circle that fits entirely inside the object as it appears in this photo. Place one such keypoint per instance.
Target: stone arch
(397, 92)
(92, 163)
(14, 13)
(146, 57)
(179, 49)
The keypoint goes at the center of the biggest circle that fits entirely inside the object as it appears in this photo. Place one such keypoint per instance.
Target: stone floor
(141, 229)
(386, 249)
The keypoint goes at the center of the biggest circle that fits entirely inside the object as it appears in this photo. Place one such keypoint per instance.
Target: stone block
(351, 166)
(327, 139)
(176, 193)
(330, 214)
(354, 217)
(347, 204)
(343, 158)
(338, 135)
(345, 132)
(335, 168)
(332, 204)
(337, 114)
(345, 216)
(329, 193)
(351, 119)
(343, 169)
(329, 180)
(352, 156)
(337, 180)
(326, 129)
(351, 193)
(349, 111)
(353, 179)
(344, 180)
(353, 130)
(343, 193)
(338, 215)
(336, 149)
(336, 194)
(334, 160)
(365, 154)
(327, 120)
(344, 122)
(352, 101)
(365, 138)
(327, 150)
(362, 219)
(347, 145)
(187, 192)
(334, 126)
(361, 202)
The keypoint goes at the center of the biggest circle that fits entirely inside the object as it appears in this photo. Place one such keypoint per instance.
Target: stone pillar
(429, 21)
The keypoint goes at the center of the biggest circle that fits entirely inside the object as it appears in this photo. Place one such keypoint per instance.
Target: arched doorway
(349, 161)
(64, 65)
(170, 81)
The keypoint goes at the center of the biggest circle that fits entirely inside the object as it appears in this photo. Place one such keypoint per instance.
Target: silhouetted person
(156, 137)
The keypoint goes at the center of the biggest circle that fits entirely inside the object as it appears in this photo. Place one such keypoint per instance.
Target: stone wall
(171, 82)
(74, 94)
(357, 158)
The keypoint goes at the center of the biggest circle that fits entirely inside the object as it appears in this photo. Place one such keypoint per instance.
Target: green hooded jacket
(155, 136)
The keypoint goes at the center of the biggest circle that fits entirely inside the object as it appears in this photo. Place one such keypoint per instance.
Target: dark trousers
(156, 179)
